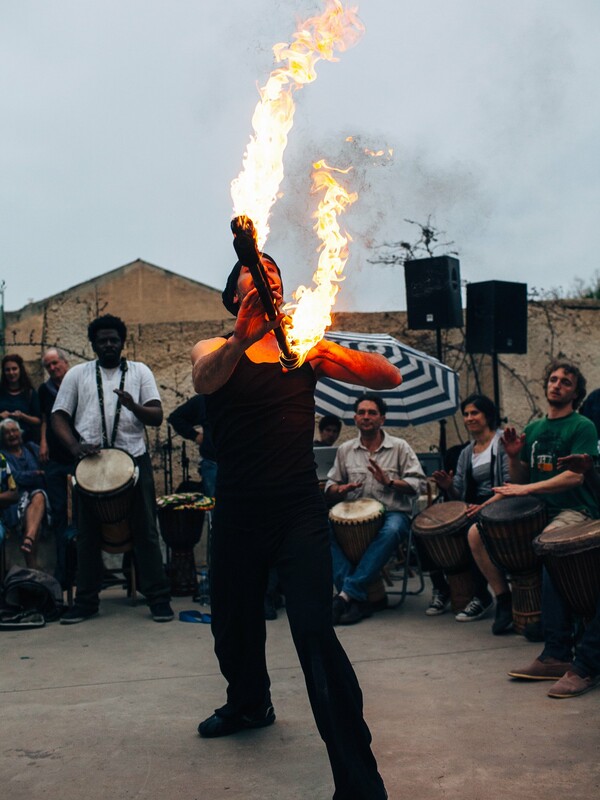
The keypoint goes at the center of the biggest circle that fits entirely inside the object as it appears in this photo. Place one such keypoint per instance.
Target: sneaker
(217, 725)
(77, 614)
(548, 669)
(439, 604)
(473, 610)
(162, 611)
(571, 684)
(339, 606)
(356, 612)
(504, 619)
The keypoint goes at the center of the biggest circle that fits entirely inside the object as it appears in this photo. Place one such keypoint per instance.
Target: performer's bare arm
(150, 413)
(331, 360)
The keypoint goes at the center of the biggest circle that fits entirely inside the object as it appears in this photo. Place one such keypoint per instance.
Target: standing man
(186, 419)
(56, 460)
(535, 469)
(108, 402)
(262, 421)
(380, 467)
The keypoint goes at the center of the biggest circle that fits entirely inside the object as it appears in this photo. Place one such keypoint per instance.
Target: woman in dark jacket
(18, 398)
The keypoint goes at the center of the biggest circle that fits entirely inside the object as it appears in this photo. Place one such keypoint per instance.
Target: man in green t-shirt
(535, 469)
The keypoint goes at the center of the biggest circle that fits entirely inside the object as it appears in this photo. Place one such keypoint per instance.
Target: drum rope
(123, 367)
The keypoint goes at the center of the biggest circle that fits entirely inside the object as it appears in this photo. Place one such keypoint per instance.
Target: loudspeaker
(496, 317)
(433, 293)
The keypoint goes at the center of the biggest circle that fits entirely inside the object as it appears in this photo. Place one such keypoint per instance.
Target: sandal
(28, 544)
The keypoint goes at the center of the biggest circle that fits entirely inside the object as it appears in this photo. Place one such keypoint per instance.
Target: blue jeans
(354, 581)
(208, 473)
(558, 623)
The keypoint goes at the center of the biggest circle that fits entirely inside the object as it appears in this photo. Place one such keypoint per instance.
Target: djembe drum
(508, 528)
(105, 482)
(572, 557)
(355, 525)
(442, 529)
(181, 517)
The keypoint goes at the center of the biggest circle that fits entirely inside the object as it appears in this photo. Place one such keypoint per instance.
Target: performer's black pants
(290, 533)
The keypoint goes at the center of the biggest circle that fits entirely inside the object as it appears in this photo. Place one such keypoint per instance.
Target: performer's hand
(443, 478)
(85, 449)
(579, 463)
(252, 323)
(514, 489)
(513, 443)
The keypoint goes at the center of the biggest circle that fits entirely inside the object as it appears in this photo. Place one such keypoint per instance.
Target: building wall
(144, 296)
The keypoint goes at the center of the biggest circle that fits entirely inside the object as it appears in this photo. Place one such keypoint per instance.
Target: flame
(311, 314)
(256, 188)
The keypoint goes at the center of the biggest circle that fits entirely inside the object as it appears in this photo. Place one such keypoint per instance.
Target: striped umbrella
(429, 389)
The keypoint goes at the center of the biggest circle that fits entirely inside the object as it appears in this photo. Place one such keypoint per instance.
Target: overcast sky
(124, 121)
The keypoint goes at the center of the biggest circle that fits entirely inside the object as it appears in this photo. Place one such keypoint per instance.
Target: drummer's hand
(579, 463)
(443, 478)
(514, 489)
(513, 442)
(125, 398)
(86, 449)
(378, 473)
(473, 508)
(344, 488)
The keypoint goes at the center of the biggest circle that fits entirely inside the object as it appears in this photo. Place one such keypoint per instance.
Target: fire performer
(270, 512)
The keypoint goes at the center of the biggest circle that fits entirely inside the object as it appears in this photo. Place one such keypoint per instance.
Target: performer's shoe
(571, 685)
(358, 611)
(550, 669)
(217, 725)
(339, 606)
(439, 604)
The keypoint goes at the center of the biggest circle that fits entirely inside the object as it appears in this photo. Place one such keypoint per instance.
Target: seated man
(329, 430)
(378, 466)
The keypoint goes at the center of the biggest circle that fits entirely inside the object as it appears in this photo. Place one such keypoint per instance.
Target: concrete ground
(109, 709)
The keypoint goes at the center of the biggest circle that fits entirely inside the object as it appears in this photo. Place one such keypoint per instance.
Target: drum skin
(355, 525)
(572, 557)
(443, 530)
(508, 528)
(105, 482)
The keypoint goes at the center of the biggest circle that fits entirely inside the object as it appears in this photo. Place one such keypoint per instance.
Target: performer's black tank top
(262, 421)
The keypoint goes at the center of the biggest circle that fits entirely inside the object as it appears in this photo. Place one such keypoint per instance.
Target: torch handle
(244, 243)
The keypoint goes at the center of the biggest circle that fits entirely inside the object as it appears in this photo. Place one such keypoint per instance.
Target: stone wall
(556, 329)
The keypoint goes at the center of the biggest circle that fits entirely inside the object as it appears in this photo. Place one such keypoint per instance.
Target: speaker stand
(496, 379)
(442, 440)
